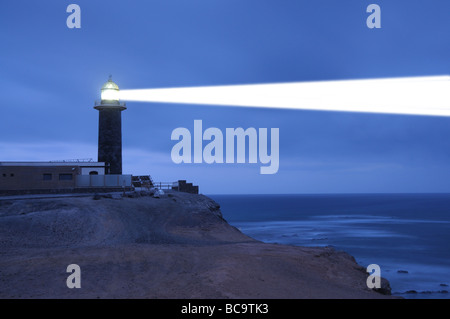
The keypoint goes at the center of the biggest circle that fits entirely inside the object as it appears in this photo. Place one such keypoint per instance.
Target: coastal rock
(134, 195)
(425, 292)
(145, 193)
(385, 288)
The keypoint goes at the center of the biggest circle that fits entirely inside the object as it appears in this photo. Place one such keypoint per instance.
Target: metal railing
(163, 185)
(109, 103)
(76, 160)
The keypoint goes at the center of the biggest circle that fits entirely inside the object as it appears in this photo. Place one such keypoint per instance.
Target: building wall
(88, 170)
(32, 177)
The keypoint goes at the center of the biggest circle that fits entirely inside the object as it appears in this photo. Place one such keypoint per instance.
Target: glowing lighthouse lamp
(110, 92)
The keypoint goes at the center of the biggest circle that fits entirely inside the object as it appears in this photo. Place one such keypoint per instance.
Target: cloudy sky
(51, 75)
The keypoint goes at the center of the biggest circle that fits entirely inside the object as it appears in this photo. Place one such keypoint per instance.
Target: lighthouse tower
(110, 128)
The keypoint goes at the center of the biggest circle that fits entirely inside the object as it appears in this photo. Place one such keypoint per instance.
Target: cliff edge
(176, 246)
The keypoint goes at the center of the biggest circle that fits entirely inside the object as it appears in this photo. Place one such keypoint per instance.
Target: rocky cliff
(176, 246)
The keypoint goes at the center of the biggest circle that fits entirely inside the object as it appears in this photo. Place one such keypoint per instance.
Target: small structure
(184, 187)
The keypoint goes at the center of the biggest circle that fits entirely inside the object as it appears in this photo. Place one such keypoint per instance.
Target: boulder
(385, 288)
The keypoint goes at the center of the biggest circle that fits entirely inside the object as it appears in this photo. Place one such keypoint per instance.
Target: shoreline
(373, 228)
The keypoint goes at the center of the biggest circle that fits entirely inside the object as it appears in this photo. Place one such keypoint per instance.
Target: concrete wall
(103, 180)
(32, 177)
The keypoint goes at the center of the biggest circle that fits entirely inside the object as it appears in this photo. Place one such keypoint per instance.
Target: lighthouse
(110, 127)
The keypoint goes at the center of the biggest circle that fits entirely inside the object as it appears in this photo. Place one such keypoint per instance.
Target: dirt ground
(177, 246)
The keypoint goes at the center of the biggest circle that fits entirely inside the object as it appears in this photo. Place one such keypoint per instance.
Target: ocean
(407, 235)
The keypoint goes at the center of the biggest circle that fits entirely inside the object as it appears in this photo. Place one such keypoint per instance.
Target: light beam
(413, 95)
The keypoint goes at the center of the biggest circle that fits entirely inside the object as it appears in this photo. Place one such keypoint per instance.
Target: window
(4, 175)
(47, 177)
(12, 175)
(93, 173)
(65, 177)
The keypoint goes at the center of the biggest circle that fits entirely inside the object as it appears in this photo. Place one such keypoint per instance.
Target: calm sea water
(407, 232)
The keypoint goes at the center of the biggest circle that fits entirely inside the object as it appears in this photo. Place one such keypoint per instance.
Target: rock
(134, 195)
(97, 197)
(117, 196)
(145, 193)
(443, 285)
(213, 206)
(107, 196)
(158, 193)
(425, 292)
(385, 288)
(402, 271)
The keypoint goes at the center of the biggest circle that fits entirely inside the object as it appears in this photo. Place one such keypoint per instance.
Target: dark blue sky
(50, 76)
